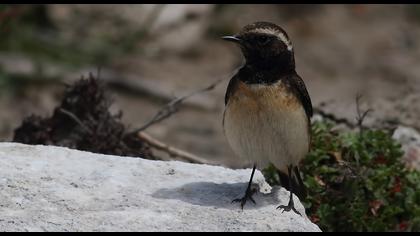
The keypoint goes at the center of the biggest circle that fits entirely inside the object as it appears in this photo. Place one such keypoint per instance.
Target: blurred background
(150, 54)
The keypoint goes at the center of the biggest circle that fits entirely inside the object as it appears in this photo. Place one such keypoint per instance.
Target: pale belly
(263, 128)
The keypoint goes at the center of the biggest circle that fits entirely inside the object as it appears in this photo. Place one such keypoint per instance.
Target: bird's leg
(248, 193)
(302, 189)
(291, 205)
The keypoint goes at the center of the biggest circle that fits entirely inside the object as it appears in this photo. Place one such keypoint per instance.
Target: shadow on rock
(220, 195)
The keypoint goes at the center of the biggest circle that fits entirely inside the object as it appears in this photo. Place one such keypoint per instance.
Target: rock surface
(45, 188)
(410, 141)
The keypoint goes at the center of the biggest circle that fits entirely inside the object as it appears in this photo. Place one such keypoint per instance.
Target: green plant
(357, 182)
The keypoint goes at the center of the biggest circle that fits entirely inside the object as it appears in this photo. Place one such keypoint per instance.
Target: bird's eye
(263, 40)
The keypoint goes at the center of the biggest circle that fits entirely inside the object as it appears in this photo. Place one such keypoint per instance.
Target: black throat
(268, 71)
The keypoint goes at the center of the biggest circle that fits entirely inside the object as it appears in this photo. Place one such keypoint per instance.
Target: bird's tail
(297, 183)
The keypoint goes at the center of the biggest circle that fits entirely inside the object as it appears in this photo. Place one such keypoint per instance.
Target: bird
(267, 112)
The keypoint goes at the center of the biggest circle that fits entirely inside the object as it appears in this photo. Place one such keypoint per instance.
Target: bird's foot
(289, 207)
(248, 196)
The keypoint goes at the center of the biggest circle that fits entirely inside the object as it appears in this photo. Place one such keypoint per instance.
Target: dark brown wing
(231, 87)
(229, 91)
(299, 88)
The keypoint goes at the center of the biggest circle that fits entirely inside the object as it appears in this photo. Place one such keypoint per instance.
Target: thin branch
(149, 88)
(360, 115)
(171, 150)
(172, 107)
(334, 118)
(74, 118)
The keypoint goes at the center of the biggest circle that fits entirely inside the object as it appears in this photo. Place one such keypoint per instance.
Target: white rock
(45, 188)
(410, 141)
(406, 136)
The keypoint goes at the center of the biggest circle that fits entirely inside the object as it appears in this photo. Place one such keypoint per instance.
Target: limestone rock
(46, 188)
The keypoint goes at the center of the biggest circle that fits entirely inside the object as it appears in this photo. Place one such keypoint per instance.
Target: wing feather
(298, 85)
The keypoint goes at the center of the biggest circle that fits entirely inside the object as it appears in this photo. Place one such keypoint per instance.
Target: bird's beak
(234, 39)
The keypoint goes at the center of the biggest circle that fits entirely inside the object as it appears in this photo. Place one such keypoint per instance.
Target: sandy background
(340, 50)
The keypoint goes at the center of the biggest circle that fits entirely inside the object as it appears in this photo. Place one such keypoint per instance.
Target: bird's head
(264, 44)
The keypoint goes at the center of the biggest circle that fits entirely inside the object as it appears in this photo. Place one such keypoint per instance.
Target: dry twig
(75, 119)
(334, 118)
(359, 119)
(171, 150)
(172, 107)
(360, 115)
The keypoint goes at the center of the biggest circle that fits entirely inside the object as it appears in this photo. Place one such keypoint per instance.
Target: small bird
(268, 108)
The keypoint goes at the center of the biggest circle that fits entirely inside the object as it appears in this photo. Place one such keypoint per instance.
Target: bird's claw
(289, 207)
(248, 196)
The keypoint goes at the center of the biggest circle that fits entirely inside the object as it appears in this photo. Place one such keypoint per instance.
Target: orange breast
(258, 97)
(266, 123)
